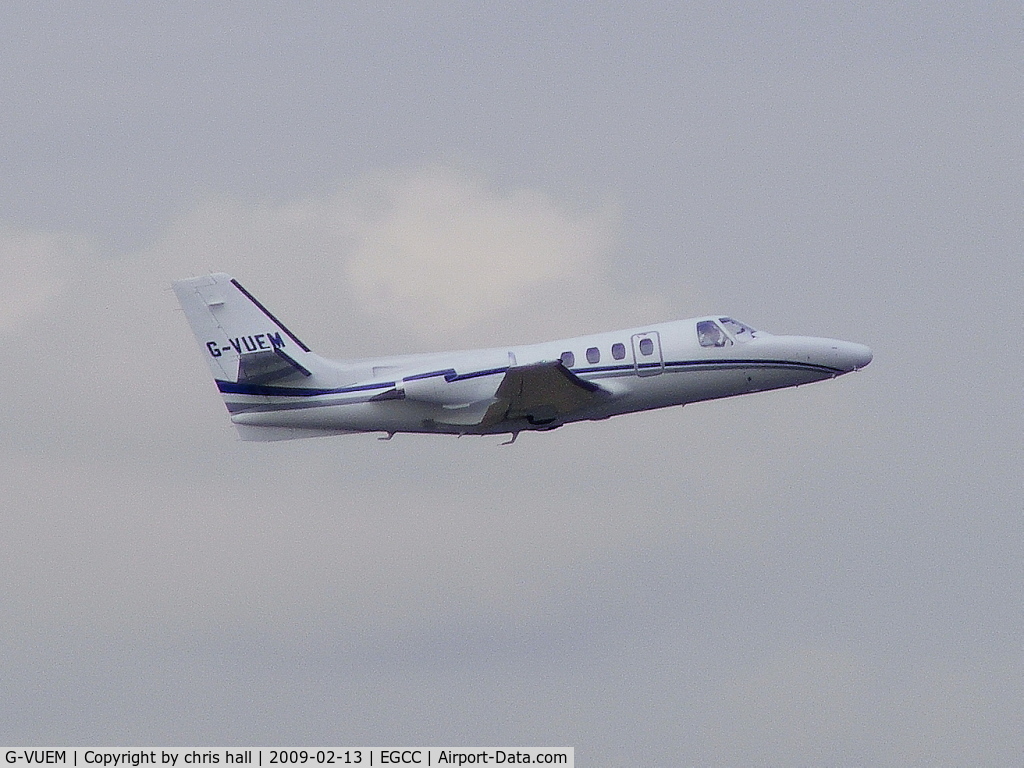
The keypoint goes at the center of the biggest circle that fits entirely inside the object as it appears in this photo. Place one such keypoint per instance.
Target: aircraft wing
(540, 392)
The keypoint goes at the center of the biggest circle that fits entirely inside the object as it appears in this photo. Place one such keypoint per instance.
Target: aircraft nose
(852, 357)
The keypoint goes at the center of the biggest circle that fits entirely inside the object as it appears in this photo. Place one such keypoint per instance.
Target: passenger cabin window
(740, 331)
(568, 359)
(593, 355)
(646, 347)
(711, 335)
(618, 351)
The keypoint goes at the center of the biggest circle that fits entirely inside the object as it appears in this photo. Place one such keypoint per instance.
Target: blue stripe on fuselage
(238, 388)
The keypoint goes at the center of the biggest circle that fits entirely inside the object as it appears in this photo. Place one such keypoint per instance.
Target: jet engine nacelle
(448, 389)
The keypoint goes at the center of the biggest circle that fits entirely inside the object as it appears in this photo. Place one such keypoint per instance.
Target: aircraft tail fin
(248, 350)
(242, 341)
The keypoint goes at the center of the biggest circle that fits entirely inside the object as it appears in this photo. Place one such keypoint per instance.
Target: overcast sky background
(831, 574)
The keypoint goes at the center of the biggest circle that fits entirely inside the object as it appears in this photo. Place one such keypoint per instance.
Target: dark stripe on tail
(267, 312)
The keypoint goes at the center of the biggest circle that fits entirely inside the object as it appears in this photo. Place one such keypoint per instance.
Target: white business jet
(275, 388)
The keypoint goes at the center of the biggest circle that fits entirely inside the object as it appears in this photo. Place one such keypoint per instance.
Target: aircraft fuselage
(275, 388)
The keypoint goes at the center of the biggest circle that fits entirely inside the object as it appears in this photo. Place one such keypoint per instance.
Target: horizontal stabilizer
(250, 434)
(267, 366)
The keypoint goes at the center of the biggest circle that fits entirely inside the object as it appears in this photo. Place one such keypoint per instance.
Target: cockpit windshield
(711, 334)
(740, 331)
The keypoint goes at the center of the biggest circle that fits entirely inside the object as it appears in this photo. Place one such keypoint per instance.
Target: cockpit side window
(711, 335)
(740, 331)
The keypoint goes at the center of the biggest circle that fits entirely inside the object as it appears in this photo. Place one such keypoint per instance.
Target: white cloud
(35, 268)
(430, 257)
(446, 251)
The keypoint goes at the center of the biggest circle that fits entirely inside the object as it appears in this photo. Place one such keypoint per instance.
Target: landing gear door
(647, 359)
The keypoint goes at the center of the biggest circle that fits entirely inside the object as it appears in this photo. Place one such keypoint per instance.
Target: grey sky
(825, 575)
